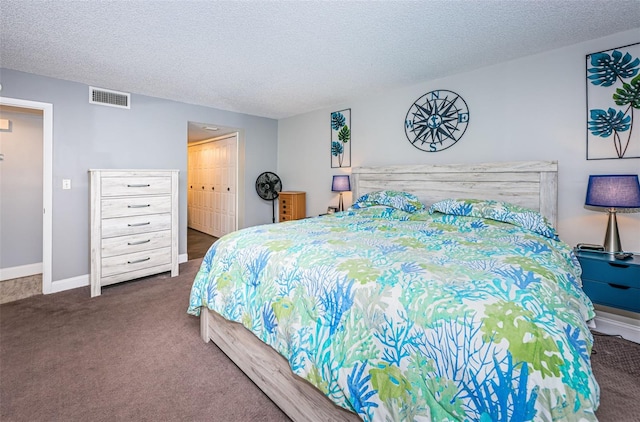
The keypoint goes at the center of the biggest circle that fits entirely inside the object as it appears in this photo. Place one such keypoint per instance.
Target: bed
(468, 309)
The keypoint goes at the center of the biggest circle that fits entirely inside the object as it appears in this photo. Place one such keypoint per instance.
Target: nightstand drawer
(613, 294)
(617, 272)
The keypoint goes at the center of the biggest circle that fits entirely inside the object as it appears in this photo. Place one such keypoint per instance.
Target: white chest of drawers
(134, 225)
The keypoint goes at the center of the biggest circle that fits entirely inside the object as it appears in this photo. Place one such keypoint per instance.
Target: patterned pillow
(499, 211)
(402, 201)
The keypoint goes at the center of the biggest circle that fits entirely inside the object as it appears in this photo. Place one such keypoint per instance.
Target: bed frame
(532, 184)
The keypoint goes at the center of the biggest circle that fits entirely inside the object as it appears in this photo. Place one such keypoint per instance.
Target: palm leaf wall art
(613, 103)
(341, 138)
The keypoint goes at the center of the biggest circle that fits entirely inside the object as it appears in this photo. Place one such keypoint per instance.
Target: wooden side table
(292, 205)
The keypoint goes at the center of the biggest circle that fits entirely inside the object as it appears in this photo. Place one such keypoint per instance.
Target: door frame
(47, 185)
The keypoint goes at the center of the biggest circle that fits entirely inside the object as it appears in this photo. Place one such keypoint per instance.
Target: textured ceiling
(281, 58)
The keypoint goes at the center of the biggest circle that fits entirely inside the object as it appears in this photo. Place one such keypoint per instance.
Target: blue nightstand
(609, 281)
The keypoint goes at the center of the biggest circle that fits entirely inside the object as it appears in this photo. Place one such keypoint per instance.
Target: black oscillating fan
(268, 185)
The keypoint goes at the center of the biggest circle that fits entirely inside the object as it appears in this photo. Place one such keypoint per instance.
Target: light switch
(66, 183)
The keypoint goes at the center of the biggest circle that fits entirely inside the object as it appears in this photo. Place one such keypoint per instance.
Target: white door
(229, 192)
(212, 190)
(197, 189)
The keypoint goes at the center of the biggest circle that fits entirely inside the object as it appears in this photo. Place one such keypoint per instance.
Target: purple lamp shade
(341, 183)
(613, 191)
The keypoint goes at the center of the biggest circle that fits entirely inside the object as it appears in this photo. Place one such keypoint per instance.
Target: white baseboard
(69, 283)
(84, 280)
(626, 327)
(20, 271)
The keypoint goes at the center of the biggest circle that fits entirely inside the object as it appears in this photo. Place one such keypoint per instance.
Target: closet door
(208, 187)
(229, 176)
(195, 214)
(190, 177)
(212, 190)
(194, 196)
(217, 206)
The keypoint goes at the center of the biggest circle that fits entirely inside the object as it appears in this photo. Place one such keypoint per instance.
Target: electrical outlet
(66, 183)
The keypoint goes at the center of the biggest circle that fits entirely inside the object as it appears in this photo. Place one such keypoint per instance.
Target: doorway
(213, 185)
(47, 194)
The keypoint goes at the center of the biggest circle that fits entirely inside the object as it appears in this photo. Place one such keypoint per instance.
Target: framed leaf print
(341, 138)
(613, 103)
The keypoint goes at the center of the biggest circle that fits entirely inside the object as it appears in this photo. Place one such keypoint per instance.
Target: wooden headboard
(531, 184)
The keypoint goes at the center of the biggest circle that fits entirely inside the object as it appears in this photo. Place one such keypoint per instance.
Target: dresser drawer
(612, 294)
(125, 186)
(288, 210)
(285, 217)
(123, 245)
(125, 207)
(135, 261)
(617, 272)
(112, 227)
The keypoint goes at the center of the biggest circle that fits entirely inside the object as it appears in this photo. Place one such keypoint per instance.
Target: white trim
(607, 323)
(69, 283)
(182, 258)
(47, 186)
(20, 271)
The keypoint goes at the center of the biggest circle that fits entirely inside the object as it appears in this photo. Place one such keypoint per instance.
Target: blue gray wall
(152, 134)
(533, 108)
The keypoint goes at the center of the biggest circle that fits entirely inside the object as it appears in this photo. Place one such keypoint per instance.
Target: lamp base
(612, 237)
(340, 203)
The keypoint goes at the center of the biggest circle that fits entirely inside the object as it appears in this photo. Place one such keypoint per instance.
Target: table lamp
(341, 184)
(613, 193)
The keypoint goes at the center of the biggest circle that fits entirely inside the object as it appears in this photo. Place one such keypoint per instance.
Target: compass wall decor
(437, 120)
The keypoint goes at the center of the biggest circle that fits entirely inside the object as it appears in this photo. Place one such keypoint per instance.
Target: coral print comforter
(468, 311)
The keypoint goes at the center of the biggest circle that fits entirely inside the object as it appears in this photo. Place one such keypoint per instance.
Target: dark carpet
(616, 365)
(134, 354)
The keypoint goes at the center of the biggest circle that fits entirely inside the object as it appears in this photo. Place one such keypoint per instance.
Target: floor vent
(109, 98)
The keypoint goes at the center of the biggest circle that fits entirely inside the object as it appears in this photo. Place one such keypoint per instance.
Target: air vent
(109, 98)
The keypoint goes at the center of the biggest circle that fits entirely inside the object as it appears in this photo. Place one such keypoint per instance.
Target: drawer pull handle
(613, 264)
(138, 224)
(138, 186)
(139, 206)
(138, 260)
(138, 243)
(618, 286)
(228, 189)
